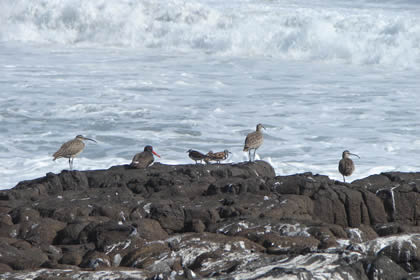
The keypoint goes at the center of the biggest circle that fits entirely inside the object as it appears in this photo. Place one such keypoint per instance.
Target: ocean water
(321, 76)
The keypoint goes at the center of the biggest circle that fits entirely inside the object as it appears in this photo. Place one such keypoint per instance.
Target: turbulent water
(321, 76)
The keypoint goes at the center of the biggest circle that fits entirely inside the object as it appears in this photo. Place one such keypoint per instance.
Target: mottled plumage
(346, 165)
(219, 156)
(254, 140)
(196, 155)
(145, 158)
(71, 149)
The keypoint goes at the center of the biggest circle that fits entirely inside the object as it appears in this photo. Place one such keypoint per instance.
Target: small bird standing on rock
(71, 149)
(254, 140)
(346, 165)
(145, 158)
(217, 157)
(196, 156)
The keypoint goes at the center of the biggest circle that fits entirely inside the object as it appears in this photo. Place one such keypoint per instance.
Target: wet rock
(405, 253)
(324, 235)
(330, 207)
(361, 234)
(276, 244)
(24, 214)
(384, 268)
(149, 229)
(169, 214)
(217, 220)
(70, 234)
(290, 207)
(53, 253)
(5, 268)
(8, 230)
(20, 258)
(373, 182)
(44, 231)
(146, 255)
(95, 260)
(105, 235)
(352, 271)
(6, 219)
(198, 249)
(198, 226)
(73, 254)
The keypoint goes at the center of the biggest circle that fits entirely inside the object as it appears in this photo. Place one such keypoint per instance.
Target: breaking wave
(348, 34)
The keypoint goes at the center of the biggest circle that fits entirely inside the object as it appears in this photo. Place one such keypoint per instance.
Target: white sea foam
(359, 33)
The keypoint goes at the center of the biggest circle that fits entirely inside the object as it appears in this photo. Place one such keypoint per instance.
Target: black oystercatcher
(145, 158)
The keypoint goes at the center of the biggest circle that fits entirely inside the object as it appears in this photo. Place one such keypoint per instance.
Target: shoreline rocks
(217, 220)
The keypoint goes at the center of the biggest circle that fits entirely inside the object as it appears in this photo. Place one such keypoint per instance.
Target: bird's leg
(71, 168)
(255, 150)
(344, 179)
(70, 163)
(249, 155)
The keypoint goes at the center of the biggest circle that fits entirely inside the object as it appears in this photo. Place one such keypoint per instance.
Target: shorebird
(346, 165)
(145, 158)
(71, 149)
(196, 155)
(254, 140)
(219, 156)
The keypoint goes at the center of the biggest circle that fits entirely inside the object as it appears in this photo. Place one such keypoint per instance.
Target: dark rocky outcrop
(217, 220)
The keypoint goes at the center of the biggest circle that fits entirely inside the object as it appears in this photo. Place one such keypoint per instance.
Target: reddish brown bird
(346, 165)
(145, 158)
(71, 149)
(217, 157)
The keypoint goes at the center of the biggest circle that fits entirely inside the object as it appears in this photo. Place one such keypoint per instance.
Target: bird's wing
(137, 158)
(70, 148)
(253, 140)
(142, 160)
(197, 154)
(219, 155)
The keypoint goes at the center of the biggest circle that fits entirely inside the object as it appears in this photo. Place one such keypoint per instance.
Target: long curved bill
(85, 138)
(354, 155)
(155, 154)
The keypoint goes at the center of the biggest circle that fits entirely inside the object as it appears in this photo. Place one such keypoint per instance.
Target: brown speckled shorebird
(217, 157)
(196, 155)
(346, 165)
(71, 149)
(145, 158)
(254, 140)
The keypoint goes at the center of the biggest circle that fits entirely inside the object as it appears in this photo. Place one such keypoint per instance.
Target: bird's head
(259, 127)
(347, 153)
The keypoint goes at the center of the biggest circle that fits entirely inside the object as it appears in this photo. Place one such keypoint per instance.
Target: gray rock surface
(216, 220)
